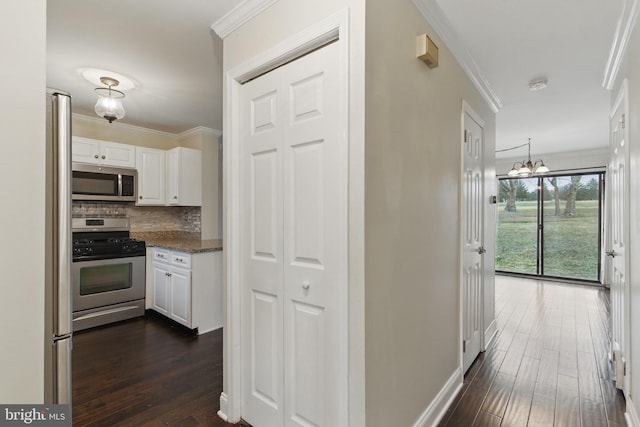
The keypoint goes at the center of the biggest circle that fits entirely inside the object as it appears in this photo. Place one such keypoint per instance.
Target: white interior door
(294, 245)
(261, 267)
(618, 232)
(315, 249)
(472, 249)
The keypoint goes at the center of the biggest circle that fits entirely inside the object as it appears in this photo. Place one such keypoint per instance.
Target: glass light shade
(542, 169)
(109, 108)
(513, 171)
(524, 171)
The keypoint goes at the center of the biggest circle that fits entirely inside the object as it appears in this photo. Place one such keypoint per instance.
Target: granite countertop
(179, 241)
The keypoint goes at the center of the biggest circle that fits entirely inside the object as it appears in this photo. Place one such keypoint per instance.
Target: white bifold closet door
(294, 262)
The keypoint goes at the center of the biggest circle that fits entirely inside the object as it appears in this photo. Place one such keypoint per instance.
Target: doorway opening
(551, 226)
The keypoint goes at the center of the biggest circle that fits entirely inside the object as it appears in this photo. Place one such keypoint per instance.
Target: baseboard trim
(224, 405)
(438, 407)
(631, 415)
(490, 334)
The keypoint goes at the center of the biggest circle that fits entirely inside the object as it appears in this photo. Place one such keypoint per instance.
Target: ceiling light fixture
(526, 168)
(109, 103)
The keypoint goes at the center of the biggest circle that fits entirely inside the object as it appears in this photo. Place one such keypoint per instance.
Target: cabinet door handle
(103, 157)
(96, 156)
(175, 197)
(306, 285)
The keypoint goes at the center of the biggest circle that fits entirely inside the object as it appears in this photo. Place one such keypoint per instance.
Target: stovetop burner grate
(91, 243)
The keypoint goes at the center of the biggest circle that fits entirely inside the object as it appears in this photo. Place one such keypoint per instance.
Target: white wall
(412, 205)
(631, 70)
(22, 195)
(559, 162)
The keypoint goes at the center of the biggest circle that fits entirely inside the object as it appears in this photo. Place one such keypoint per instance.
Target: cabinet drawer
(162, 255)
(181, 258)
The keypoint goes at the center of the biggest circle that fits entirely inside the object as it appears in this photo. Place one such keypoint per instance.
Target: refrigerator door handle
(64, 285)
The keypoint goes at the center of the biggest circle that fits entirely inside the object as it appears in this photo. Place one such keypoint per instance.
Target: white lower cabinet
(160, 289)
(186, 287)
(180, 296)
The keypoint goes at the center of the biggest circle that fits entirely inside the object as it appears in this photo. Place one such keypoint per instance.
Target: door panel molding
(335, 27)
(472, 251)
(617, 263)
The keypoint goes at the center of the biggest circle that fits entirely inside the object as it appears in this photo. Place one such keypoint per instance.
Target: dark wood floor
(548, 365)
(144, 372)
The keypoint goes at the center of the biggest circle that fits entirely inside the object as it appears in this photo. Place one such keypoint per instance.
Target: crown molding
(240, 14)
(620, 41)
(102, 122)
(441, 25)
(200, 130)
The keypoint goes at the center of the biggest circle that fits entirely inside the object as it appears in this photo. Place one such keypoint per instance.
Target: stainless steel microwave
(103, 183)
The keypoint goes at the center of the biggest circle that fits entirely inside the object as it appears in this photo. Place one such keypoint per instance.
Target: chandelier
(526, 168)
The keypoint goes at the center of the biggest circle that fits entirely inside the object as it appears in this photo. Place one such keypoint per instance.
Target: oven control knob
(82, 251)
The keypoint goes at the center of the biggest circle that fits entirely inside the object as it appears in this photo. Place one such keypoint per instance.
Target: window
(550, 226)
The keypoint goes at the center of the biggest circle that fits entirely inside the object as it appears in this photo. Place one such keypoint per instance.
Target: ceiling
(168, 48)
(566, 42)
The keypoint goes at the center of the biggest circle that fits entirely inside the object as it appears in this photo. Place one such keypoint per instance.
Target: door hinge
(464, 346)
(466, 136)
(623, 121)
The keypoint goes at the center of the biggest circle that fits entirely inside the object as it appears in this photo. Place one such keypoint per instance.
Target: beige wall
(22, 219)
(413, 172)
(97, 128)
(278, 22)
(631, 70)
(208, 144)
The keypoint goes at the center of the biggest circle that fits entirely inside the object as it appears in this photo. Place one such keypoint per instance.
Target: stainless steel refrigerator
(58, 326)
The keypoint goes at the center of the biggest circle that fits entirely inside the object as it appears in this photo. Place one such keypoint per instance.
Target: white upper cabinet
(150, 163)
(172, 177)
(184, 177)
(86, 150)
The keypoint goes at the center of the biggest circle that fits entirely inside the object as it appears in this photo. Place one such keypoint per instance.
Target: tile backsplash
(144, 218)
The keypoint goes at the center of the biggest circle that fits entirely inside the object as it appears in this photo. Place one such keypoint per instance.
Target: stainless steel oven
(108, 272)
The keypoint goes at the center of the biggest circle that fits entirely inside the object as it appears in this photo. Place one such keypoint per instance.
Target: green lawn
(570, 243)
